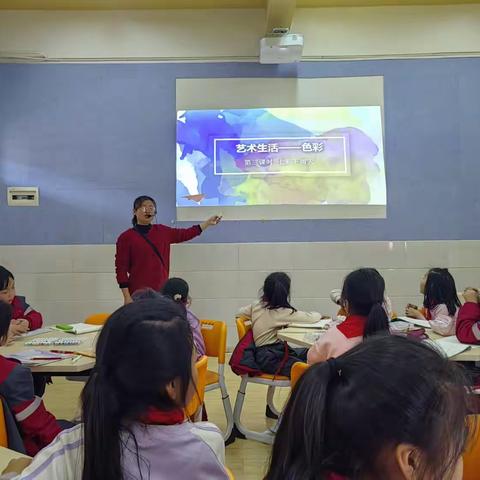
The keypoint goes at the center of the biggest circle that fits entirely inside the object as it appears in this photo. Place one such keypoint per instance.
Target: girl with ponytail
(390, 408)
(270, 314)
(133, 421)
(362, 298)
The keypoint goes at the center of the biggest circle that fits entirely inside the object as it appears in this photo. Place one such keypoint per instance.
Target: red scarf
(158, 417)
(353, 326)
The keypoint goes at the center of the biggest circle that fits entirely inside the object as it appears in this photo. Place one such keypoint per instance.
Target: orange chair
(97, 319)
(194, 409)
(272, 381)
(230, 474)
(214, 334)
(298, 369)
(471, 457)
(3, 428)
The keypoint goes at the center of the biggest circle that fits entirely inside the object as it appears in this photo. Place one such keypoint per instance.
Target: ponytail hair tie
(177, 297)
(334, 367)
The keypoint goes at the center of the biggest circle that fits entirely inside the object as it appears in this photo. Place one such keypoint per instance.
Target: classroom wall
(234, 34)
(67, 283)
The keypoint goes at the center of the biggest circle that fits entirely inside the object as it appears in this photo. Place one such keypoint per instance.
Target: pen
(47, 358)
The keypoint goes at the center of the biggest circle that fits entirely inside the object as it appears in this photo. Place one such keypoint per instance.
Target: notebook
(42, 357)
(320, 325)
(78, 328)
(449, 346)
(416, 321)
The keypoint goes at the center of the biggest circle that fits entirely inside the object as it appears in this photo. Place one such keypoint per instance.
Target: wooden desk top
(6, 455)
(62, 366)
(305, 337)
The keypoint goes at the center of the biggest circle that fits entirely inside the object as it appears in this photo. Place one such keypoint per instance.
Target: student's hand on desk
(413, 312)
(470, 295)
(17, 327)
(17, 465)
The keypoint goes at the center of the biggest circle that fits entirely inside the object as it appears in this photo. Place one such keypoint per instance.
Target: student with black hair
(142, 257)
(440, 301)
(362, 298)
(24, 317)
(178, 290)
(270, 314)
(133, 421)
(37, 426)
(390, 408)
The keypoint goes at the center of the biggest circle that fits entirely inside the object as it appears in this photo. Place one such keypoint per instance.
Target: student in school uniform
(270, 314)
(142, 258)
(178, 290)
(37, 426)
(133, 421)
(362, 298)
(24, 317)
(468, 321)
(440, 301)
(374, 413)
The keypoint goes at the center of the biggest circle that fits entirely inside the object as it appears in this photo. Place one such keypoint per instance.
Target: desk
(6, 455)
(299, 336)
(65, 367)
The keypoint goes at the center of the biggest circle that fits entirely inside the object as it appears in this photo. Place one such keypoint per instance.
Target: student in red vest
(38, 427)
(143, 252)
(24, 317)
(468, 322)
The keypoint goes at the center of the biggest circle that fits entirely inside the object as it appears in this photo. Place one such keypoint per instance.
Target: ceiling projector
(281, 48)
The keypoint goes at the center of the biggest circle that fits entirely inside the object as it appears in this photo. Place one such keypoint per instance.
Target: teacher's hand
(212, 221)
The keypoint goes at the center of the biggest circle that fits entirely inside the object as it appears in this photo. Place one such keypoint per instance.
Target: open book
(416, 321)
(37, 357)
(449, 346)
(322, 324)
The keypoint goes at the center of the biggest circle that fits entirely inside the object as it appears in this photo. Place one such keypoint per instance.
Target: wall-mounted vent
(22, 196)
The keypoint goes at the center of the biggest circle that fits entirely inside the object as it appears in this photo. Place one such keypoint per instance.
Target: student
(363, 295)
(336, 297)
(270, 314)
(390, 408)
(142, 258)
(177, 289)
(440, 301)
(132, 406)
(37, 426)
(24, 317)
(468, 321)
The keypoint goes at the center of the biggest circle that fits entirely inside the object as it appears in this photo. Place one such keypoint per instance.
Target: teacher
(142, 259)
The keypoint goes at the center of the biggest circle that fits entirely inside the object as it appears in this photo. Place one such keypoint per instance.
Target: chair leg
(263, 437)
(271, 411)
(227, 406)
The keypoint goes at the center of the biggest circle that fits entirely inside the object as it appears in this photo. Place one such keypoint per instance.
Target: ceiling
(202, 4)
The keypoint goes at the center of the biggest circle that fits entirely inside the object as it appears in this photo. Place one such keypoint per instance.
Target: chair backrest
(197, 401)
(230, 474)
(3, 428)
(244, 324)
(298, 369)
(471, 457)
(214, 333)
(97, 319)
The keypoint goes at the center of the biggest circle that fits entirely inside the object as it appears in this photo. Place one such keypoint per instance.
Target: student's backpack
(242, 361)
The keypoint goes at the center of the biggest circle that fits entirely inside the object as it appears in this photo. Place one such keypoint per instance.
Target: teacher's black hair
(347, 417)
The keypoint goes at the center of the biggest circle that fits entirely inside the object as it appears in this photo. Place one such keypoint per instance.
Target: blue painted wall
(95, 136)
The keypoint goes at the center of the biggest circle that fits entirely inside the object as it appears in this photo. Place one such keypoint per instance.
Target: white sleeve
(442, 322)
(211, 435)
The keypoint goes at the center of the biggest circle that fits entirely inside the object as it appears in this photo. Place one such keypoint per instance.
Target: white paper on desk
(312, 337)
(25, 357)
(320, 325)
(450, 346)
(38, 331)
(416, 321)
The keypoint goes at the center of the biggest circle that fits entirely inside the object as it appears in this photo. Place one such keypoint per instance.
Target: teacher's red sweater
(136, 263)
